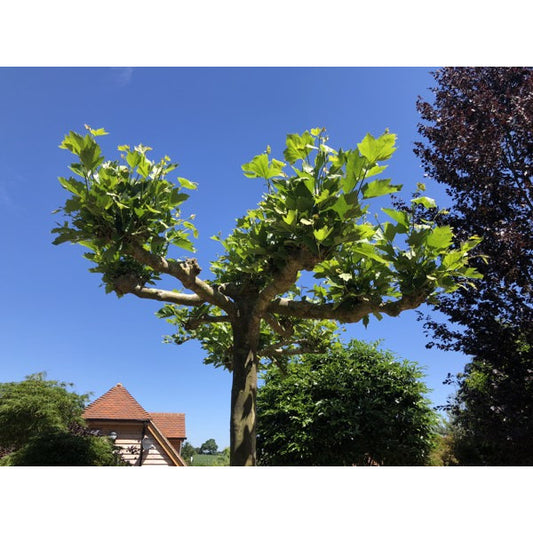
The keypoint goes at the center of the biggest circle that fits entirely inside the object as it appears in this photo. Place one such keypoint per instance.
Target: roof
(172, 452)
(172, 425)
(116, 404)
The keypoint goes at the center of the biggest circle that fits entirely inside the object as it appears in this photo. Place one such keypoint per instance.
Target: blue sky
(54, 315)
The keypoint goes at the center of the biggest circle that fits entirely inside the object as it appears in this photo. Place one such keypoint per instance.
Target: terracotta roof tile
(172, 425)
(116, 403)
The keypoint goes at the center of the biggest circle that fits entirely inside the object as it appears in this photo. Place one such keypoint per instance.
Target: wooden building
(145, 439)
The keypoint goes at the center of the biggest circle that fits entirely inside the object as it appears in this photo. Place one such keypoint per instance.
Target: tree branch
(302, 259)
(166, 296)
(524, 181)
(277, 327)
(196, 322)
(343, 313)
(279, 349)
(186, 272)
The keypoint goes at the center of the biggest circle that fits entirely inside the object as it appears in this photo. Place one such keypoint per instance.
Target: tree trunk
(244, 392)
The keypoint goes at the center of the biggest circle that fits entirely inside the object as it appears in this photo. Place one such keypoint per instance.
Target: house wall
(129, 435)
(177, 443)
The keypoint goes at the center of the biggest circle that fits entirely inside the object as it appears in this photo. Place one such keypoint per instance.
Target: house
(146, 439)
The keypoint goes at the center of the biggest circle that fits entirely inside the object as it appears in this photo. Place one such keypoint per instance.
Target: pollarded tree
(253, 311)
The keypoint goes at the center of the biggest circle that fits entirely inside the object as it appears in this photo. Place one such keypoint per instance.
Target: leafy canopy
(478, 142)
(314, 217)
(313, 220)
(353, 404)
(209, 447)
(36, 405)
(41, 425)
(114, 205)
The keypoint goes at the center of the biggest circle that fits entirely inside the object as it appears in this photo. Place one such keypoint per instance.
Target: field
(209, 460)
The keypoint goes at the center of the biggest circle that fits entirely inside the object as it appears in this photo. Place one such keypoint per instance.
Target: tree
(41, 425)
(34, 406)
(492, 409)
(64, 448)
(253, 311)
(209, 447)
(354, 405)
(479, 143)
(188, 451)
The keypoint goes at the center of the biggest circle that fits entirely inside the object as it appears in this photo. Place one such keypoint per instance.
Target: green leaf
(186, 184)
(177, 197)
(257, 167)
(379, 188)
(417, 238)
(399, 216)
(375, 170)
(290, 217)
(78, 169)
(440, 238)
(133, 159)
(309, 182)
(370, 251)
(322, 233)
(377, 149)
(340, 207)
(453, 260)
(184, 243)
(260, 167)
(170, 168)
(72, 142)
(337, 161)
(323, 196)
(354, 170)
(98, 132)
(74, 186)
(190, 226)
(144, 167)
(472, 273)
(389, 231)
(428, 203)
(64, 236)
(298, 146)
(471, 243)
(363, 231)
(90, 153)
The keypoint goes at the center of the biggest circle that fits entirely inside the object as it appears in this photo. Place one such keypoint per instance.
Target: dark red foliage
(479, 143)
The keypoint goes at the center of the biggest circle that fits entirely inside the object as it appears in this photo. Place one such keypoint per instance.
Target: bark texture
(244, 389)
